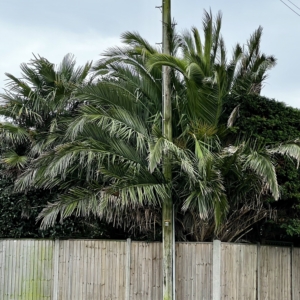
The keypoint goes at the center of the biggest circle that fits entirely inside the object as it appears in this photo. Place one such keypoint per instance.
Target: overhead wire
(290, 7)
(294, 4)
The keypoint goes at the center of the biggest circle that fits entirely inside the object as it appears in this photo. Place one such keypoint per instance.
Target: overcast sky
(86, 28)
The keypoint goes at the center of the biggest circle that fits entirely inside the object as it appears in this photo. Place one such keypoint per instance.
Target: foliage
(19, 212)
(103, 156)
(34, 104)
(110, 164)
(272, 122)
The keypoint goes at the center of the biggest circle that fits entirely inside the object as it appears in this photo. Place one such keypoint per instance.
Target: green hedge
(272, 122)
(18, 213)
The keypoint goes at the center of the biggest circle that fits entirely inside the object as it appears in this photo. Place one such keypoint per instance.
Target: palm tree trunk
(167, 214)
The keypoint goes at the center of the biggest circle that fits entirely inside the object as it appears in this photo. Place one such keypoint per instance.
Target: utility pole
(167, 210)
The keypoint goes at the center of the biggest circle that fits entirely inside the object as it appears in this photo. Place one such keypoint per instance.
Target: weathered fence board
(98, 269)
(193, 271)
(91, 269)
(295, 276)
(26, 269)
(275, 273)
(146, 271)
(238, 271)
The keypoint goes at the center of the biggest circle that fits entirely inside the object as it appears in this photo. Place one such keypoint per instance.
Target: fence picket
(123, 270)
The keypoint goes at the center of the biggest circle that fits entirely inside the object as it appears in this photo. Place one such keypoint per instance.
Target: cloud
(87, 28)
(51, 44)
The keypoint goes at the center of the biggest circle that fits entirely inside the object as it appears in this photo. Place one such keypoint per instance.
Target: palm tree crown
(35, 103)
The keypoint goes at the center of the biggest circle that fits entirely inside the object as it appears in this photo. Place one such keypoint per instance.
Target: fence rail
(123, 270)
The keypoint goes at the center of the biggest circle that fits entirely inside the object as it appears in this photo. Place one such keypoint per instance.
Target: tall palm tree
(112, 162)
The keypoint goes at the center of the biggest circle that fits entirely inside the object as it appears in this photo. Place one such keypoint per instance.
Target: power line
(294, 4)
(290, 8)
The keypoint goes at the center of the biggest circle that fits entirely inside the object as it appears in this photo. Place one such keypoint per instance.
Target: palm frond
(263, 167)
(14, 134)
(290, 149)
(13, 160)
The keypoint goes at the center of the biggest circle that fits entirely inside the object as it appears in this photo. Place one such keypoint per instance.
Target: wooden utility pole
(167, 213)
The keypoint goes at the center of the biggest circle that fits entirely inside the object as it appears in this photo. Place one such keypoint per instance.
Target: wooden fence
(123, 270)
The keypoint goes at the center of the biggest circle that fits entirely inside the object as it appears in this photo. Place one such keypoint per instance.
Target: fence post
(292, 277)
(128, 263)
(258, 272)
(216, 286)
(174, 255)
(55, 269)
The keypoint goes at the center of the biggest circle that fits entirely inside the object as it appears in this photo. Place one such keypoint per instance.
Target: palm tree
(34, 104)
(117, 153)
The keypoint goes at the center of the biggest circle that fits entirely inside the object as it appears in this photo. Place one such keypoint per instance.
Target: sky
(87, 28)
